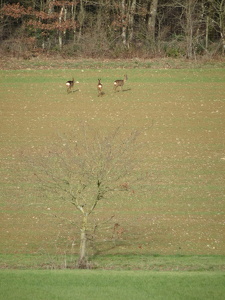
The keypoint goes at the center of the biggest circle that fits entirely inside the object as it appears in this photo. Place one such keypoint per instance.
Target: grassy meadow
(121, 285)
(182, 115)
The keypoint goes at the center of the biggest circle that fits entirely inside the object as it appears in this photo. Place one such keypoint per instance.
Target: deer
(99, 87)
(69, 85)
(120, 82)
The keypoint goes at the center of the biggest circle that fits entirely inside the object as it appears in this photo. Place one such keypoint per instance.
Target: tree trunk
(73, 16)
(83, 259)
(124, 25)
(152, 20)
(60, 31)
(221, 24)
(131, 22)
(189, 29)
(207, 33)
(81, 17)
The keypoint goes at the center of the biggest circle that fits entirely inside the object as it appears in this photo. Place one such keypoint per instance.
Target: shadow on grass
(126, 90)
(74, 91)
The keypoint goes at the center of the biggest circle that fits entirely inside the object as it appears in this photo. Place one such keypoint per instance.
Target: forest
(113, 28)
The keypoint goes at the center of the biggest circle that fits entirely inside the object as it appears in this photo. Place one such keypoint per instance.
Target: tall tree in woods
(189, 9)
(151, 24)
(218, 19)
(124, 22)
(132, 9)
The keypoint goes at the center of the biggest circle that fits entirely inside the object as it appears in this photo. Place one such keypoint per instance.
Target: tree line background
(113, 28)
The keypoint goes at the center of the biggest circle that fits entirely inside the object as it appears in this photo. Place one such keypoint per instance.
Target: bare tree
(124, 22)
(218, 19)
(81, 17)
(153, 6)
(132, 7)
(85, 168)
(190, 8)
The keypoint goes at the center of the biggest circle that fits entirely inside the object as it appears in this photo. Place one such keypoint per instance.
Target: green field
(182, 115)
(111, 285)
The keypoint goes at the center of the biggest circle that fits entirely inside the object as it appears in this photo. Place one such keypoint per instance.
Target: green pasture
(181, 113)
(111, 285)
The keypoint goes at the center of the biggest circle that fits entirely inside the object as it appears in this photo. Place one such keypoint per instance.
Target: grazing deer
(69, 85)
(99, 87)
(120, 82)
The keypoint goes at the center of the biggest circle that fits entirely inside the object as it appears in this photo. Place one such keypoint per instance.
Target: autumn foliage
(117, 28)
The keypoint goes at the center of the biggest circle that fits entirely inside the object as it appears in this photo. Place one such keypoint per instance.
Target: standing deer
(69, 85)
(120, 82)
(99, 87)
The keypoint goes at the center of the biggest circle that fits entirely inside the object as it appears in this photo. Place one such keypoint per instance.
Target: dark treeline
(113, 28)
